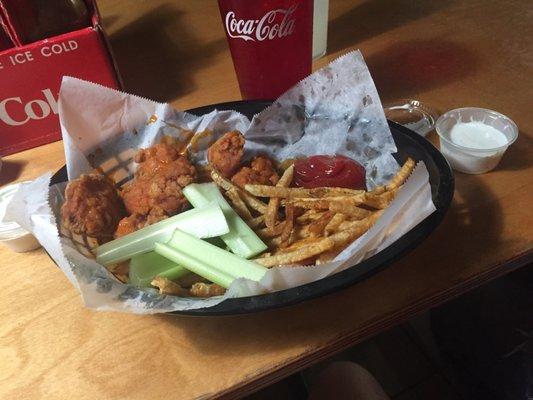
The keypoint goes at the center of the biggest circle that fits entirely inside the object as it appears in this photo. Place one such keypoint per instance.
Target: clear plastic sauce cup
(474, 159)
(12, 234)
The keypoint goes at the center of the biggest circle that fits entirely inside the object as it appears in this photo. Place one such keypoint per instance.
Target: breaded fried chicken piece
(92, 206)
(261, 172)
(160, 177)
(135, 222)
(226, 153)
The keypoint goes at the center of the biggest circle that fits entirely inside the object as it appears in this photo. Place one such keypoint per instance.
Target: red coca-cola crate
(30, 78)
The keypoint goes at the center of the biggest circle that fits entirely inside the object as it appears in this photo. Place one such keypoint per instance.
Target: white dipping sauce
(477, 135)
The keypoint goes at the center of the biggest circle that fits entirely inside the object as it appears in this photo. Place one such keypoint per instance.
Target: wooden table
(448, 54)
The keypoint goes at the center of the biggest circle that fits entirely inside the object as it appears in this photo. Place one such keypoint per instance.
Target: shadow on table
(374, 17)
(11, 171)
(156, 54)
(518, 155)
(472, 227)
(471, 230)
(409, 67)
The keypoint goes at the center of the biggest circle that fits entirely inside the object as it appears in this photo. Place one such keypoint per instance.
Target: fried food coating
(158, 181)
(226, 153)
(92, 206)
(260, 172)
(201, 289)
(136, 221)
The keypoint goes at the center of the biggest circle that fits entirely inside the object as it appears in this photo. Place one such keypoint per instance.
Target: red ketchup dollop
(329, 171)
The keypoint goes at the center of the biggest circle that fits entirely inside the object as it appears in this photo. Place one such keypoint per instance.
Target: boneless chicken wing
(260, 172)
(136, 221)
(158, 182)
(92, 206)
(226, 153)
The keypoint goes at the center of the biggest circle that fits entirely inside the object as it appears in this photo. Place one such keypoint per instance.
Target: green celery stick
(217, 258)
(194, 265)
(241, 239)
(203, 222)
(145, 267)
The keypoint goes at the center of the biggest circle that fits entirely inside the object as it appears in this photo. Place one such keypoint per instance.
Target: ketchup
(329, 171)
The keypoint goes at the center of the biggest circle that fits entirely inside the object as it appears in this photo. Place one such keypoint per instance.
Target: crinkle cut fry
(402, 175)
(271, 213)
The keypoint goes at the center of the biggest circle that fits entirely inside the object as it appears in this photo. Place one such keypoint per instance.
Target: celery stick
(203, 222)
(215, 257)
(241, 239)
(194, 265)
(145, 267)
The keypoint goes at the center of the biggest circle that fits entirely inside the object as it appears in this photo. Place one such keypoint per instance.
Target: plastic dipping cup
(11, 234)
(472, 160)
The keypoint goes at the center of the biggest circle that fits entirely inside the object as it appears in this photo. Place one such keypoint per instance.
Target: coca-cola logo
(274, 24)
(15, 112)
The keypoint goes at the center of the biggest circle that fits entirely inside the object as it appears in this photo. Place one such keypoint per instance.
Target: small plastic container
(412, 114)
(468, 159)
(11, 233)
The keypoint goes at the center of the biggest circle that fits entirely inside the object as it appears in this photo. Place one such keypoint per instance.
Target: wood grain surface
(447, 53)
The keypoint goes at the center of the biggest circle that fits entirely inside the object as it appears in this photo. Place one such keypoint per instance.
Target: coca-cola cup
(270, 43)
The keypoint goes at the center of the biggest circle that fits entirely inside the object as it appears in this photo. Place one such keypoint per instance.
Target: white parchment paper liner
(334, 111)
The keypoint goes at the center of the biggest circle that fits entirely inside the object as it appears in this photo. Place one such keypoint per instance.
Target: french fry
(271, 214)
(271, 232)
(329, 255)
(316, 228)
(402, 175)
(254, 203)
(325, 203)
(297, 255)
(378, 190)
(296, 193)
(349, 210)
(309, 216)
(275, 244)
(256, 222)
(354, 230)
(288, 228)
(298, 244)
(201, 289)
(166, 286)
(380, 201)
(239, 205)
(334, 223)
